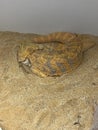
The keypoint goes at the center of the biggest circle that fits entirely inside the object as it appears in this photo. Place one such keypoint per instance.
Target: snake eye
(30, 50)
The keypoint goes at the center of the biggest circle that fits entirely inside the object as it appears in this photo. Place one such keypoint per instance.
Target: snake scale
(54, 54)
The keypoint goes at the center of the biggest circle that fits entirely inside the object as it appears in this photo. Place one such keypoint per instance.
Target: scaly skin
(55, 37)
(62, 53)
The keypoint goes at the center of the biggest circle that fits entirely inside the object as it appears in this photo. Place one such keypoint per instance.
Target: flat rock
(28, 102)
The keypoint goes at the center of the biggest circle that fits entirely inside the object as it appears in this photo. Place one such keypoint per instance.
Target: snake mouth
(26, 62)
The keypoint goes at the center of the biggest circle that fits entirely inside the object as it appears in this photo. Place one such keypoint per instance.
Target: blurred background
(45, 16)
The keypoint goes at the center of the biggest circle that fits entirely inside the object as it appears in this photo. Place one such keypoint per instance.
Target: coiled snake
(54, 54)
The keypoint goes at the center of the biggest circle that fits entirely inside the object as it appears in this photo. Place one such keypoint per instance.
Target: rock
(28, 102)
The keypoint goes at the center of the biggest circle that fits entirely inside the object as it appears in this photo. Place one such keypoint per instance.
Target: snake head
(22, 53)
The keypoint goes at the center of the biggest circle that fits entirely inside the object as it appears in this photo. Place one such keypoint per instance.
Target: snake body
(54, 54)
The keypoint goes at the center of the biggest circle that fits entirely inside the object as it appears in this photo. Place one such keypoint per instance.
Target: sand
(28, 102)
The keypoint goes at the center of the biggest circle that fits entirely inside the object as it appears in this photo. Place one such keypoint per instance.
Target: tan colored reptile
(54, 54)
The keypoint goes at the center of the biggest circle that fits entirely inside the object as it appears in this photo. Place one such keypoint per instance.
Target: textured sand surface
(28, 102)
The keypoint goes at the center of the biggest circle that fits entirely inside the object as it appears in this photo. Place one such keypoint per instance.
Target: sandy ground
(28, 102)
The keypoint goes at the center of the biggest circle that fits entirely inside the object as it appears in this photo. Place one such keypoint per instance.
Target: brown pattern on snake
(57, 53)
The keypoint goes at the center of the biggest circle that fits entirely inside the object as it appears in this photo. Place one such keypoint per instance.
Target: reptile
(54, 54)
